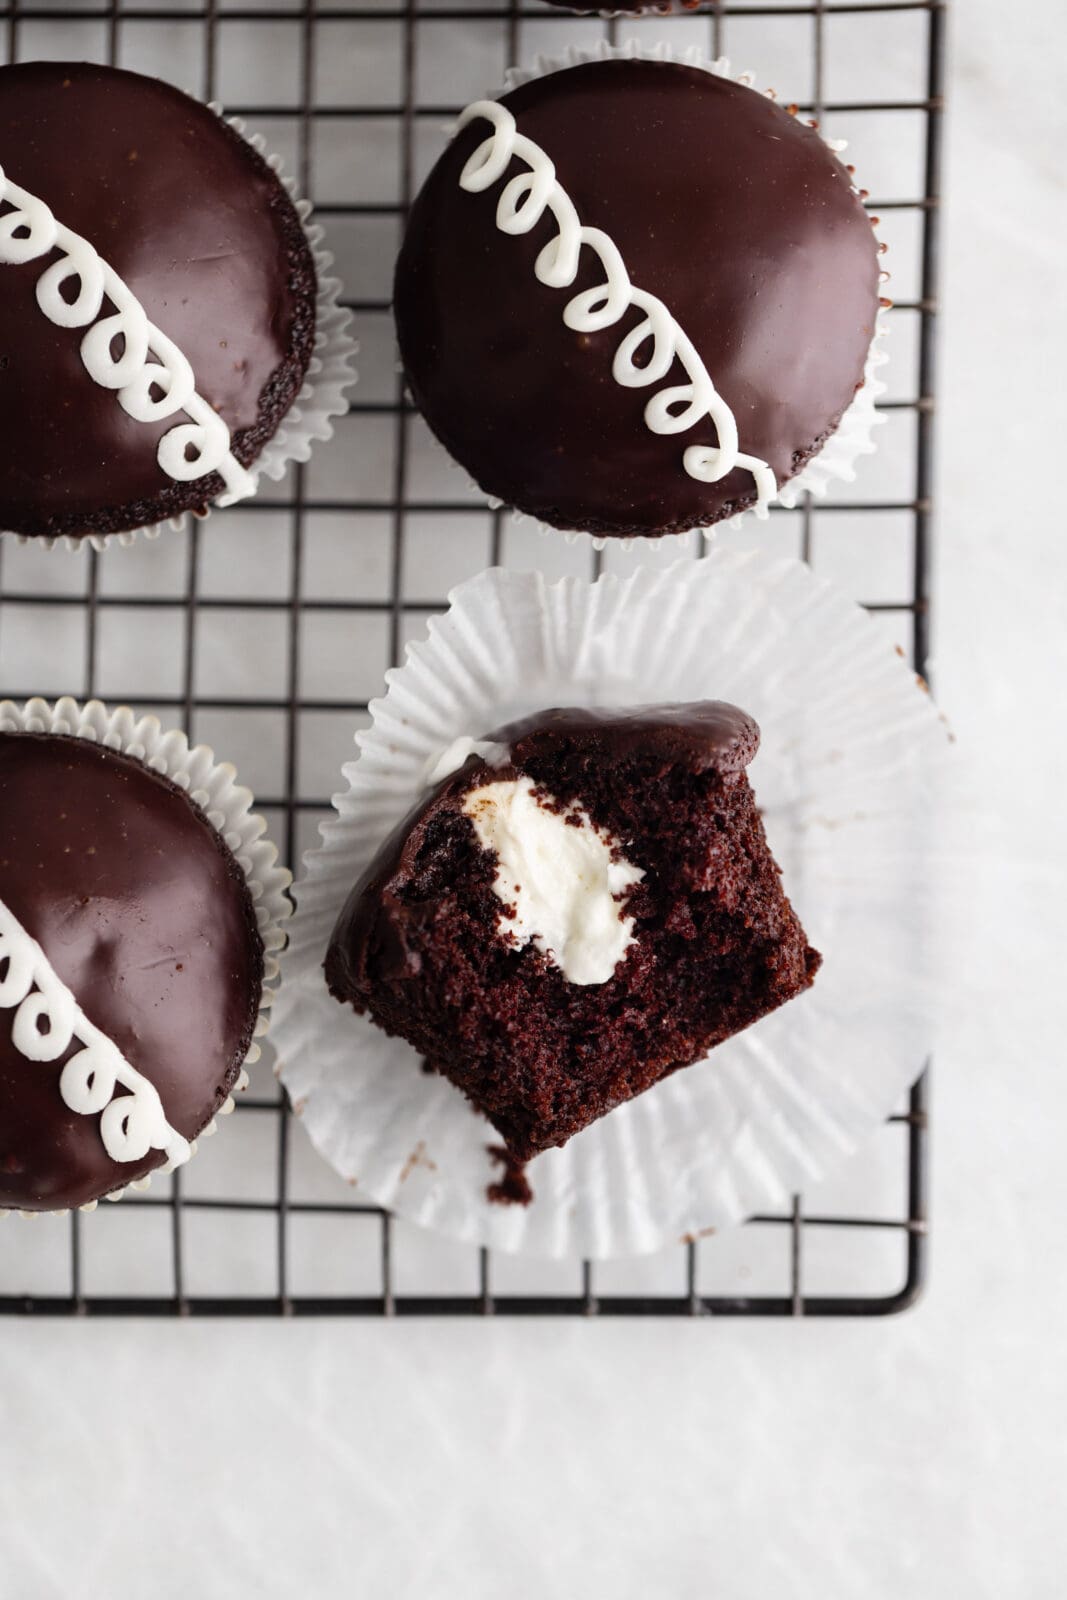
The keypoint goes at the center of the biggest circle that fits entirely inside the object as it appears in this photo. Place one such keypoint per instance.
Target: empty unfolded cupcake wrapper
(852, 770)
(331, 373)
(854, 435)
(228, 808)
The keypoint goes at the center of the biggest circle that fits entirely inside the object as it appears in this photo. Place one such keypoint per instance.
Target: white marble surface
(919, 1457)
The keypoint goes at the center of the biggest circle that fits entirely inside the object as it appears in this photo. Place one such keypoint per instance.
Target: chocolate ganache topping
(205, 237)
(700, 736)
(142, 913)
(734, 214)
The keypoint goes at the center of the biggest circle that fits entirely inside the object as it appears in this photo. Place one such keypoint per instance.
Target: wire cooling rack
(266, 630)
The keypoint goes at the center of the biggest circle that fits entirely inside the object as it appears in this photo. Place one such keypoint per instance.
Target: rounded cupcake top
(699, 735)
(634, 297)
(148, 256)
(130, 971)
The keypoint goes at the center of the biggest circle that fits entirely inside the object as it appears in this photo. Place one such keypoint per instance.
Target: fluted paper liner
(322, 397)
(847, 775)
(835, 461)
(228, 808)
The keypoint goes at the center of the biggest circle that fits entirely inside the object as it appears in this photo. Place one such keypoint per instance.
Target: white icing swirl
(131, 1124)
(71, 294)
(523, 201)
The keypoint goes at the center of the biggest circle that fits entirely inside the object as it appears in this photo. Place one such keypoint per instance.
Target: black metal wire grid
(86, 602)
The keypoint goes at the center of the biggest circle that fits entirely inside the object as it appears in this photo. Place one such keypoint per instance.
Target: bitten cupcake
(585, 905)
(560, 914)
(140, 914)
(160, 309)
(637, 297)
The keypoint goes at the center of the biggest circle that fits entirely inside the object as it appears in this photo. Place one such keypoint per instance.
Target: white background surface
(923, 1456)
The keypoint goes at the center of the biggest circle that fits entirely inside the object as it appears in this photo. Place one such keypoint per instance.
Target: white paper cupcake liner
(848, 776)
(330, 374)
(853, 436)
(212, 786)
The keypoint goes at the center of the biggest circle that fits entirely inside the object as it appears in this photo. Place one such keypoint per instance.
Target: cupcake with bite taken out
(584, 906)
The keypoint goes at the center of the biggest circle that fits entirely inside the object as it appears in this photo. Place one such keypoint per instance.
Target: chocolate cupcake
(585, 905)
(139, 920)
(776, 1104)
(160, 311)
(637, 297)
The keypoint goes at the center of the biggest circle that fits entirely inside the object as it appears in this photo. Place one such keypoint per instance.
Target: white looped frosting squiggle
(523, 202)
(147, 389)
(131, 1124)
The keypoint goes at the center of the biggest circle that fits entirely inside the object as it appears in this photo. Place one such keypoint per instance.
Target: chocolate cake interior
(714, 943)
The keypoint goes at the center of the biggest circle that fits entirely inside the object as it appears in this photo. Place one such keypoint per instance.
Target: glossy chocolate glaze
(203, 233)
(732, 211)
(698, 736)
(368, 939)
(145, 915)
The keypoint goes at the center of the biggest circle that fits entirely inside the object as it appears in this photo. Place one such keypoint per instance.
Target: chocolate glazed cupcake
(636, 297)
(158, 312)
(139, 923)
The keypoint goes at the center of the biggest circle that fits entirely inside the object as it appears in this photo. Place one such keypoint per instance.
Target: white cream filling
(557, 878)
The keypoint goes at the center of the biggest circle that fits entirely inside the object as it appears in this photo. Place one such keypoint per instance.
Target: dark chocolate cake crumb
(512, 1188)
